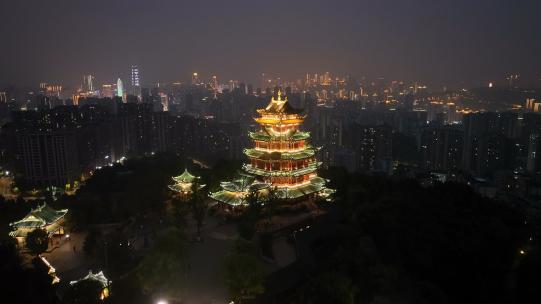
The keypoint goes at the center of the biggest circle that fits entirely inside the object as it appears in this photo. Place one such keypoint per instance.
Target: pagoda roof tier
(279, 106)
(297, 155)
(315, 186)
(39, 217)
(293, 136)
(228, 198)
(234, 193)
(185, 177)
(298, 172)
(279, 121)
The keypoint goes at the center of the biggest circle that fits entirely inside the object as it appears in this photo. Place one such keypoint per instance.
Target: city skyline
(458, 44)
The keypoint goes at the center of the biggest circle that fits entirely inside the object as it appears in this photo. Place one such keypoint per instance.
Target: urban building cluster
(489, 136)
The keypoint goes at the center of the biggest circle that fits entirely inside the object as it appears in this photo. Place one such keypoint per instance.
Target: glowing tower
(281, 157)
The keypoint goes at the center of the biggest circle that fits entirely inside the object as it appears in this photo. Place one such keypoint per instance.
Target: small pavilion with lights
(184, 183)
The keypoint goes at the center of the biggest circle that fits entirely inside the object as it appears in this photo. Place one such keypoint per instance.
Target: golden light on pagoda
(281, 157)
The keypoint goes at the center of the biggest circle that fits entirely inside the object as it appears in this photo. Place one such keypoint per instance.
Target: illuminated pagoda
(281, 158)
(100, 278)
(43, 217)
(183, 183)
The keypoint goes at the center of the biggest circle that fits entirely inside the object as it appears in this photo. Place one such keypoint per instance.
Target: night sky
(450, 43)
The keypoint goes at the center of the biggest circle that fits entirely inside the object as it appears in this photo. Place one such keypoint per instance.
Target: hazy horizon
(439, 43)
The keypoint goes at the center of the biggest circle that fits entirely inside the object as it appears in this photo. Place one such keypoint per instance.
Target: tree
(37, 241)
(251, 215)
(118, 251)
(83, 292)
(271, 206)
(331, 287)
(198, 206)
(162, 270)
(244, 273)
(22, 284)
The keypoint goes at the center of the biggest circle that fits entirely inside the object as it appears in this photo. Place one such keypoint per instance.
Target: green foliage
(11, 211)
(444, 244)
(162, 270)
(244, 273)
(248, 220)
(113, 194)
(221, 171)
(127, 289)
(198, 206)
(83, 292)
(22, 284)
(119, 254)
(37, 241)
(332, 287)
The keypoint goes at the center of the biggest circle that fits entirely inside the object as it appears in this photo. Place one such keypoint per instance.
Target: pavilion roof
(99, 277)
(297, 172)
(245, 183)
(316, 185)
(41, 216)
(185, 177)
(180, 188)
(266, 136)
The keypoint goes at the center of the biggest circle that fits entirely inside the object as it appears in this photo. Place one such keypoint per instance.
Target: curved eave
(228, 198)
(306, 153)
(298, 172)
(273, 122)
(178, 188)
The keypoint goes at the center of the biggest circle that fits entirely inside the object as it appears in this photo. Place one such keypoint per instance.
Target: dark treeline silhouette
(397, 242)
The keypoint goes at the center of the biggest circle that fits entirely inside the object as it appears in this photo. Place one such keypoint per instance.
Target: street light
(162, 302)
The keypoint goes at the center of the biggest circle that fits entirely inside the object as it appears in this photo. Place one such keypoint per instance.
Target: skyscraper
(195, 79)
(119, 88)
(88, 83)
(135, 80)
(533, 162)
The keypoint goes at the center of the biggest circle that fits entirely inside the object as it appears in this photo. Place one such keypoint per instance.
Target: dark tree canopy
(22, 285)
(400, 242)
(83, 292)
(243, 272)
(37, 241)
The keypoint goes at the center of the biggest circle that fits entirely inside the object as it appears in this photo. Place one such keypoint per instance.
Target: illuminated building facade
(88, 83)
(281, 159)
(135, 80)
(120, 88)
(195, 79)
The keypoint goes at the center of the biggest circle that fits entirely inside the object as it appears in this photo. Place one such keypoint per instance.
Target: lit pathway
(70, 264)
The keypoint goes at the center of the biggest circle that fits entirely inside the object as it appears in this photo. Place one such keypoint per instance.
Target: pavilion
(43, 217)
(184, 183)
(98, 277)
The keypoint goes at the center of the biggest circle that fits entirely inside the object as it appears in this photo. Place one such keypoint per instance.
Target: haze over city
(270, 152)
(440, 43)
